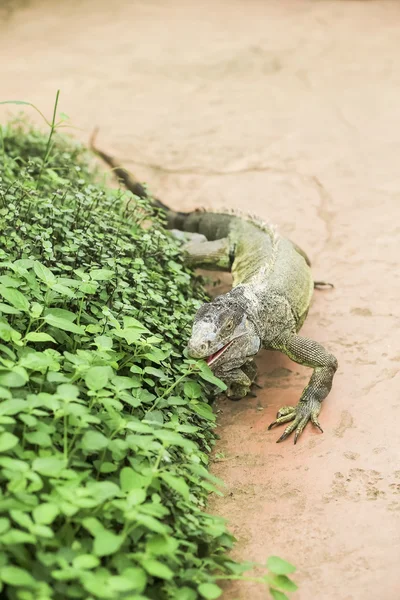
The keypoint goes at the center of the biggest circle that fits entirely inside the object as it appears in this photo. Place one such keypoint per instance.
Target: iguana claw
(299, 415)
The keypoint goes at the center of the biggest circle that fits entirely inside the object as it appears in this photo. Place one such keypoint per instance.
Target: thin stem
(66, 437)
(48, 146)
(168, 390)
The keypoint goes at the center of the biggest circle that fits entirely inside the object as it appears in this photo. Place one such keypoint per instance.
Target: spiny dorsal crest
(256, 220)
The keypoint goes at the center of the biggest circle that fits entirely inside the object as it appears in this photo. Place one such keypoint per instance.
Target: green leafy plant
(105, 428)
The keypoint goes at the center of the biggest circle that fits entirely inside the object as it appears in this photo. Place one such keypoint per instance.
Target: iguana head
(222, 333)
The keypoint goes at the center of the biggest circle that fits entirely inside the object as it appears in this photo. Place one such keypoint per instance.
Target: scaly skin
(269, 301)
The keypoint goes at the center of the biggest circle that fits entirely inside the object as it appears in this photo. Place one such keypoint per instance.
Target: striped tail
(174, 219)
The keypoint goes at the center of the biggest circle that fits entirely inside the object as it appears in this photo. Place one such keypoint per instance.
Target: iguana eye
(229, 325)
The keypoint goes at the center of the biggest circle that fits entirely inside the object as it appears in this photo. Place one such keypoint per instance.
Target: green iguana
(268, 303)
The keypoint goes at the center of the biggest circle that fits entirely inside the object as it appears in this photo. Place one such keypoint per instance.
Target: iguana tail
(174, 219)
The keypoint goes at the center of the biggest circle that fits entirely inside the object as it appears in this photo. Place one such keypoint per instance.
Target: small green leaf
(192, 389)
(85, 561)
(44, 273)
(15, 297)
(62, 314)
(7, 441)
(4, 524)
(93, 441)
(17, 577)
(157, 568)
(8, 310)
(38, 438)
(185, 593)
(63, 324)
(50, 466)
(176, 483)
(278, 566)
(44, 514)
(97, 378)
(277, 595)
(160, 545)
(210, 591)
(104, 342)
(283, 582)
(101, 274)
(39, 337)
(207, 375)
(155, 372)
(106, 543)
(204, 410)
(16, 536)
(12, 378)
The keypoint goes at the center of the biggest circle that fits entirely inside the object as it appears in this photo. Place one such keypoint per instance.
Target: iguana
(266, 307)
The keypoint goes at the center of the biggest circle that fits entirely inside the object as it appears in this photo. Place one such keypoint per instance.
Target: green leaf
(68, 392)
(97, 378)
(8, 310)
(39, 438)
(210, 591)
(62, 314)
(93, 441)
(16, 536)
(283, 582)
(7, 441)
(50, 466)
(278, 566)
(12, 379)
(44, 514)
(8, 281)
(104, 342)
(101, 274)
(176, 483)
(85, 561)
(39, 337)
(277, 595)
(155, 372)
(7, 333)
(106, 543)
(17, 577)
(192, 389)
(160, 545)
(157, 569)
(137, 576)
(185, 593)
(63, 324)
(44, 273)
(207, 375)
(15, 297)
(4, 524)
(204, 410)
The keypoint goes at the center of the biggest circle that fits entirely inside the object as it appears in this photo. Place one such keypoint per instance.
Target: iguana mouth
(213, 357)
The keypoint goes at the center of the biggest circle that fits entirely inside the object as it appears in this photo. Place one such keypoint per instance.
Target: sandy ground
(290, 110)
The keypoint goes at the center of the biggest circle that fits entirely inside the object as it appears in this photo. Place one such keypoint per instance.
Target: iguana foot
(237, 391)
(305, 411)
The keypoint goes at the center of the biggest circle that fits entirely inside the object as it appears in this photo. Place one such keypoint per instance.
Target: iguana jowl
(269, 301)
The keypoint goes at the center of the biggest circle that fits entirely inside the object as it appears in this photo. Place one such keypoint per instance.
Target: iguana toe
(299, 416)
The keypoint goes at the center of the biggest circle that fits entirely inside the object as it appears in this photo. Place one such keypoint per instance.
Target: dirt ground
(288, 109)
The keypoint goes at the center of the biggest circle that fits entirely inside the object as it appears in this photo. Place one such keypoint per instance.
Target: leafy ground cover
(105, 428)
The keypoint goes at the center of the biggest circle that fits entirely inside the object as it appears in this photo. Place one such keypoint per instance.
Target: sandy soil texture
(290, 109)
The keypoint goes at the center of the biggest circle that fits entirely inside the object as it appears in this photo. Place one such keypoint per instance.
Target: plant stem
(48, 146)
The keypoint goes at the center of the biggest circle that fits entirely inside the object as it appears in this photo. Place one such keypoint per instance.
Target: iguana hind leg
(310, 354)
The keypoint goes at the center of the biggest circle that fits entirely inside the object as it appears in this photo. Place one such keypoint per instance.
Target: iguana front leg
(310, 354)
(238, 382)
